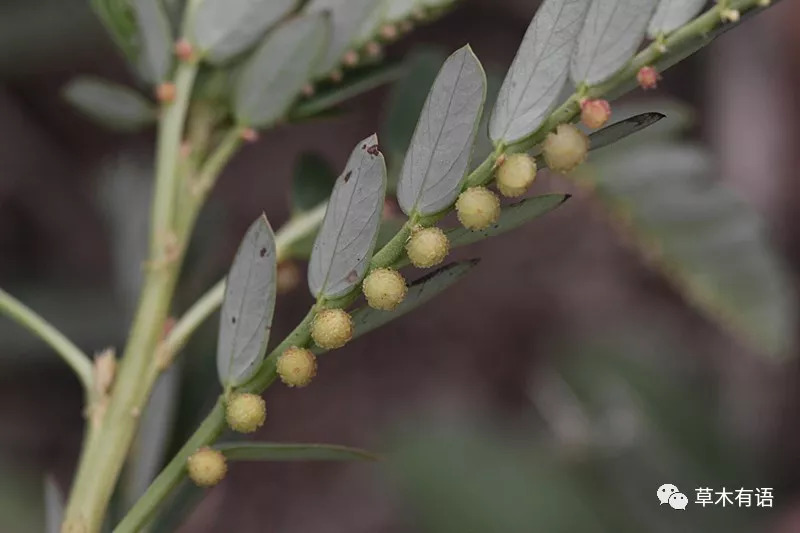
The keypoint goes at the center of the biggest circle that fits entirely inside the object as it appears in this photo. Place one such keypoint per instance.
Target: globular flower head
(206, 467)
(565, 148)
(595, 113)
(648, 78)
(516, 175)
(165, 92)
(332, 328)
(427, 247)
(477, 208)
(384, 288)
(297, 366)
(245, 412)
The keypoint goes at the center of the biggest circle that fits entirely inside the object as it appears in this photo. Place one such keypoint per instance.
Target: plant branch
(680, 44)
(80, 363)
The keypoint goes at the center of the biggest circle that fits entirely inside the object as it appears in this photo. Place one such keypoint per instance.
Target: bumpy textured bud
(648, 78)
(384, 289)
(566, 148)
(516, 175)
(297, 366)
(477, 208)
(246, 412)
(427, 247)
(595, 113)
(332, 328)
(206, 467)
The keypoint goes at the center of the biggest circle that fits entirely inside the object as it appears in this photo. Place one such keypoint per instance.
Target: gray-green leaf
(534, 81)
(248, 306)
(440, 150)
(346, 240)
(623, 128)
(115, 106)
(366, 319)
(274, 75)
(610, 36)
(223, 29)
(672, 14)
(155, 40)
(705, 239)
(271, 451)
(348, 18)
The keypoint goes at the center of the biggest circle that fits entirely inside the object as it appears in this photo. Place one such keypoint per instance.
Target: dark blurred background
(527, 354)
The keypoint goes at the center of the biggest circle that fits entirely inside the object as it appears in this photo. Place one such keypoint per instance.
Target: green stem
(170, 135)
(72, 355)
(106, 448)
(207, 433)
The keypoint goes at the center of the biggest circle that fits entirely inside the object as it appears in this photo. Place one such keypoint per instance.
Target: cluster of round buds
(332, 328)
(427, 247)
(516, 175)
(565, 148)
(595, 113)
(648, 77)
(477, 208)
(296, 366)
(206, 467)
(384, 288)
(245, 412)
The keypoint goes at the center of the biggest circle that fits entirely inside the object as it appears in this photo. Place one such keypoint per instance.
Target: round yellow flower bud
(206, 467)
(427, 247)
(516, 175)
(296, 366)
(246, 412)
(566, 148)
(477, 208)
(332, 328)
(384, 289)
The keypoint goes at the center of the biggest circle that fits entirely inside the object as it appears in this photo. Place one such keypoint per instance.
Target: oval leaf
(346, 240)
(348, 18)
(248, 306)
(274, 75)
(623, 128)
(270, 451)
(155, 40)
(610, 36)
(114, 106)
(672, 14)
(366, 319)
(534, 82)
(223, 29)
(440, 150)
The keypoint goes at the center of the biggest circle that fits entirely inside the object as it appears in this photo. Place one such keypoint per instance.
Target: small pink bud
(184, 50)
(350, 58)
(336, 76)
(595, 113)
(308, 90)
(389, 32)
(648, 77)
(373, 49)
(249, 135)
(165, 93)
